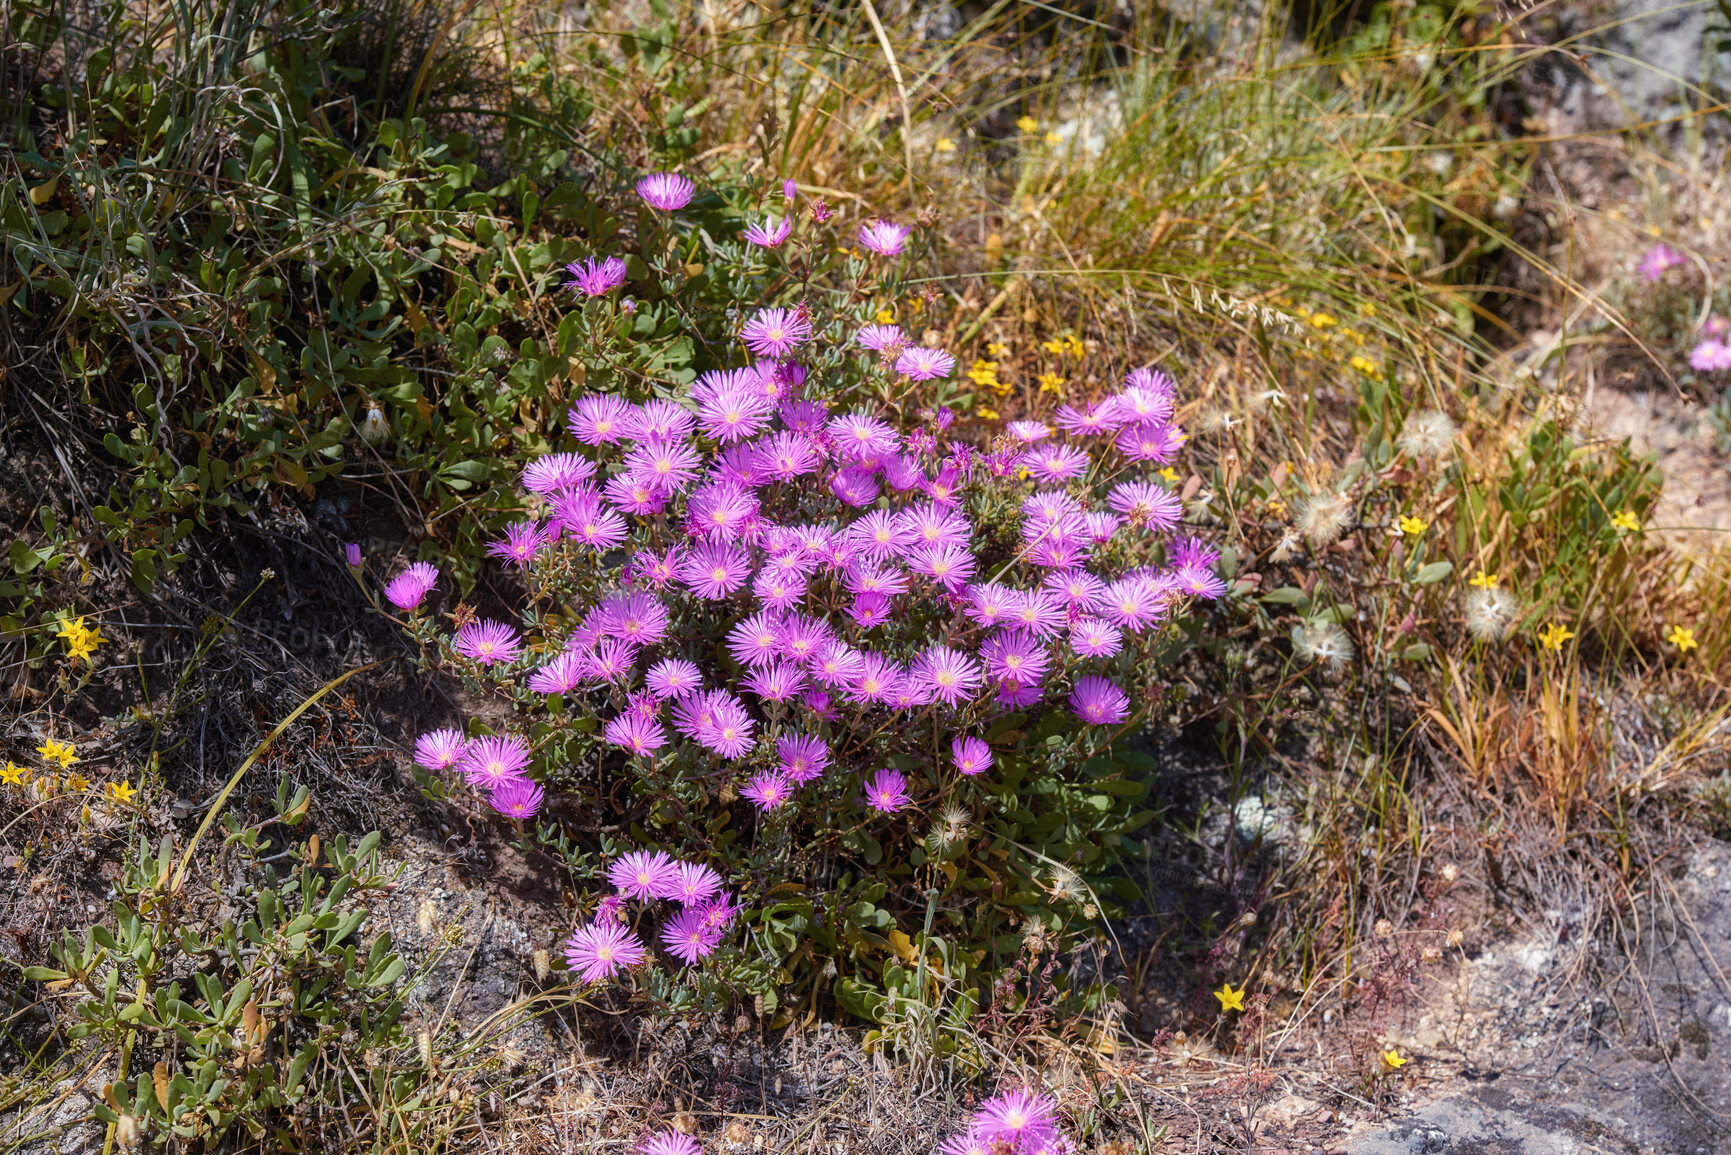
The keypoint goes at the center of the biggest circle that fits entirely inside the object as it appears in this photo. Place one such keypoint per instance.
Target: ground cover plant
(955, 403)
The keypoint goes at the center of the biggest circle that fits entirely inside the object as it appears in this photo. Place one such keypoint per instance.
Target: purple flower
(837, 664)
(1015, 656)
(734, 411)
(439, 749)
(561, 675)
(689, 937)
(779, 589)
(1098, 701)
(1149, 441)
(971, 754)
(776, 332)
(665, 191)
(931, 525)
(635, 734)
(1103, 417)
(592, 524)
(854, 486)
(601, 950)
(870, 610)
(720, 510)
(635, 496)
(887, 791)
(1080, 590)
(714, 570)
(1093, 638)
(406, 590)
(1659, 259)
(1020, 1118)
(1133, 602)
(352, 554)
(883, 237)
(556, 472)
(673, 678)
(776, 682)
(1058, 463)
(487, 641)
(789, 455)
(490, 762)
(922, 364)
(730, 733)
(691, 883)
(635, 618)
(668, 466)
(950, 566)
(642, 874)
(1710, 356)
(523, 539)
(519, 798)
(951, 675)
(804, 416)
(991, 604)
(969, 1142)
(1146, 386)
(859, 437)
(1028, 432)
(592, 278)
(658, 569)
(609, 660)
(658, 420)
(768, 790)
(670, 1143)
(598, 419)
(888, 340)
(1038, 613)
(880, 534)
(768, 236)
(803, 757)
(1145, 503)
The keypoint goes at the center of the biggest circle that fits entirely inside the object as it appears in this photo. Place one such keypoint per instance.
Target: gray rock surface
(1643, 62)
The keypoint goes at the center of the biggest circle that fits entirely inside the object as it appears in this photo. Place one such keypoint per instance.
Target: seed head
(1490, 612)
(1322, 518)
(1427, 433)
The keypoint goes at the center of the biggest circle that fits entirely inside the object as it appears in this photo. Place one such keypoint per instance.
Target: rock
(1646, 61)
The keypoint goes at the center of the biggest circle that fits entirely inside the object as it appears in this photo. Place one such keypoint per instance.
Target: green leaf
(1436, 571)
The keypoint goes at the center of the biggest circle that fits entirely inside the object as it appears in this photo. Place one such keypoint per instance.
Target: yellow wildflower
(1683, 638)
(12, 775)
(1392, 1060)
(77, 783)
(1413, 526)
(1275, 506)
(1366, 309)
(122, 791)
(1484, 581)
(1055, 345)
(1323, 320)
(944, 144)
(80, 642)
(1050, 382)
(1230, 1000)
(885, 316)
(997, 349)
(1554, 635)
(1626, 521)
(988, 413)
(1054, 138)
(1027, 124)
(1169, 475)
(1366, 366)
(60, 752)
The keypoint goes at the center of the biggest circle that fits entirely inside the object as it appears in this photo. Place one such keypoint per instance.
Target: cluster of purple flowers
(497, 765)
(1013, 1122)
(606, 945)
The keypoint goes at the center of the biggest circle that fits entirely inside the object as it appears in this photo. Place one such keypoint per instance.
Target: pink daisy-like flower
(1102, 526)
(1660, 259)
(658, 569)
(644, 874)
(598, 419)
(789, 455)
(1039, 613)
(1710, 356)
(922, 364)
(885, 238)
(969, 1142)
(858, 436)
(523, 539)
(1080, 590)
(1149, 441)
(873, 579)
(732, 731)
(1028, 432)
(1142, 385)
(770, 234)
(487, 641)
(492, 761)
(951, 675)
(887, 791)
(561, 675)
(594, 278)
(854, 486)
(877, 678)
(1093, 638)
(779, 589)
(950, 566)
(1018, 1117)
(557, 471)
(972, 755)
(439, 749)
(691, 883)
(1103, 417)
(869, 611)
(673, 678)
(667, 465)
(1144, 503)
(715, 569)
(609, 660)
(991, 604)
(638, 619)
(408, 588)
(659, 420)
(636, 497)
(885, 339)
(689, 937)
(1058, 463)
(803, 757)
(757, 640)
(768, 790)
(1015, 656)
(1133, 603)
(601, 950)
(669, 1143)
(635, 734)
(776, 682)
(1098, 701)
(776, 332)
(734, 412)
(666, 191)
(837, 664)
(719, 511)
(520, 798)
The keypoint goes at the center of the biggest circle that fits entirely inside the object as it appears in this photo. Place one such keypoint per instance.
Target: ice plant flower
(689, 937)
(1710, 356)
(1230, 1000)
(487, 642)
(669, 1143)
(922, 364)
(665, 191)
(492, 761)
(595, 278)
(1098, 701)
(523, 539)
(643, 874)
(769, 234)
(601, 950)
(691, 883)
(971, 754)
(1660, 259)
(1020, 1118)
(409, 588)
(439, 749)
(519, 798)
(776, 332)
(883, 237)
(887, 791)
(768, 790)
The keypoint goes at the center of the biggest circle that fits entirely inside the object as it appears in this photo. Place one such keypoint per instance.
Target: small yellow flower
(1230, 1000)
(1074, 346)
(12, 775)
(1484, 581)
(1050, 382)
(1392, 1060)
(77, 783)
(1683, 638)
(1323, 320)
(60, 752)
(1554, 635)
(1169, 475)
(1027, 124)
(988, 413)
(944, 144)
(81, 643)
(1413, 526)
(1054, 138)
(1366, 366)
(1626, 521)
(1055, 345)
(885, 316)
(997, 349)
(1366, 309)
(122, 791)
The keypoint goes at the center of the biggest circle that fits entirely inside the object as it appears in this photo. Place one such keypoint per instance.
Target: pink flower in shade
(870, 610)
(518, 799)
(1015, 696)
(883, 237)
(1028, 432)
(1144, 503)
(557, 471)
(837, 664)
(803, 757)
(776, 332)
(951, 675)
(1058, 463)
(609, 660)
(1020, 1118)
(732, 731)
(593, 278)
(888, 340)
(601, 950)
(1660, 259)
(733, 412)
(523, 539)
(561, 675)
(854, 486)
(887, 791)
(673, 678)
(1150, 441)
(768, 235)
(768, 790)
(666, 191)
(950, 566)
(688, 937)
(408, 588)
(487, 641)
(922, 364)
(1093, 638)
(642, 874)
(1090, 419)
(1193, 562)
(669, 466)
(492, 761)
(972, 755)
(439, 749)
(635, 734)
(669, 1143)
(1098, 701)
(598, 419)
(1015, 656)
(1710, 356)
(691, 883)
(715, 569)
